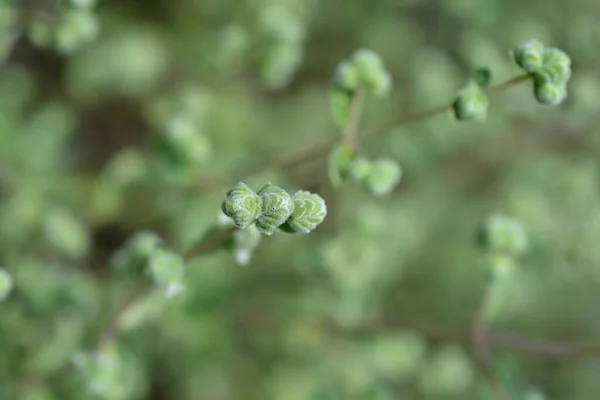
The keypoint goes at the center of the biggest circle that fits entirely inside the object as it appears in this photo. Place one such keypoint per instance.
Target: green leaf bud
(338, 162)
(167, 270)
(309, 211)
(346, 76)
(529, 55)
(186, 137)
(556, 67)
(549, 93)
(6, 284)
(383, 176)
(359, 169)
(482, 76)
(339, 100)
(137, 251)
(471, 104)
(277, 206)
(242, 205)
(502, 234)
(372, 72)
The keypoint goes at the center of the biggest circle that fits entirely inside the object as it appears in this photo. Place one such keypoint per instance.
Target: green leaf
(339, 160)
(340, 100)
(167, 269)
(277, 206)
(309, 211)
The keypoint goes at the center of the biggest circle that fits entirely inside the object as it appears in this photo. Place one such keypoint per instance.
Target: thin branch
(509, 341)
(322, 149)
(113, 325)
(350, 132)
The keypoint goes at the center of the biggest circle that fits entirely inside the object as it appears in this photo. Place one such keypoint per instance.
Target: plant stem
(322, 149)
(350, 132)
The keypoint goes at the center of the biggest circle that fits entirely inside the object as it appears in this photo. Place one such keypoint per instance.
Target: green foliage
(124, 124)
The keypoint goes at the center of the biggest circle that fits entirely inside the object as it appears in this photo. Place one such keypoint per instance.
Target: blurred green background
(121, 116)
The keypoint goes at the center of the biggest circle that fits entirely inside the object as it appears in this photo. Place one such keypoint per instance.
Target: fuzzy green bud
(383, 176)
(242, 205)
(502, 234)
(556, 67)
(372, 72)
(549, 93)
(346, 76)
(277, 206)
(529, 55)
(309, 211)
(339, 160)
(167, 270)
(359, 169)
(6, 284)
(471, 104)
(137, 251)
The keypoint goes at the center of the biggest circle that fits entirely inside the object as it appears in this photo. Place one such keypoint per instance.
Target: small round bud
(471, 104)
(6, 284)
(383, 176)
(359, 169)
(549, 93)
(556, 68)
(529, 55)
(242, 205)
(482, 76)
(372, 72)
(502, 234)
(277, 206)
(309, 211)
(346, 76)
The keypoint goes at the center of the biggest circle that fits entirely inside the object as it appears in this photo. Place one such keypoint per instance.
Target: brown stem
(350, 132)
(509, 341)
(322, 149)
